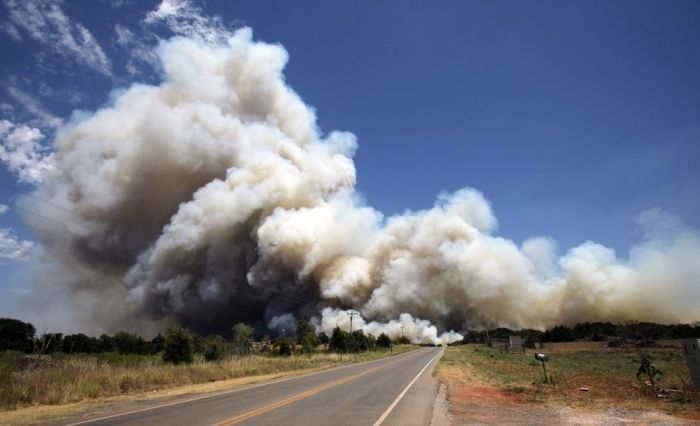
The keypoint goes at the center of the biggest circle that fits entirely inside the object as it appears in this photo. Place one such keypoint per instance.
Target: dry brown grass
(609, 375)
(31, 381)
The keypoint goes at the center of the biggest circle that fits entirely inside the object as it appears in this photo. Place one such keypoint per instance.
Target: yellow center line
(275, 405)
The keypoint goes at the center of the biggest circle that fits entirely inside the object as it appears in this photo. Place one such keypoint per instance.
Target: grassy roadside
(610, 377)
(36, 390)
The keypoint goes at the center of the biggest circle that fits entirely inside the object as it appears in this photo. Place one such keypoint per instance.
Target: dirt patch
(473, 393)
(474, 404)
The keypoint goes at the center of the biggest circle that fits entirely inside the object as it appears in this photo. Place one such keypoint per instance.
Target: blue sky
(571, 117)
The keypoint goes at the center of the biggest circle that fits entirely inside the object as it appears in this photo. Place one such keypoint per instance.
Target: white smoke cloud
(416, 330)
(284, 324)
(214, 198)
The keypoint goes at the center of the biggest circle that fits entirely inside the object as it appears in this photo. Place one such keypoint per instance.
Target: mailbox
(541, 357)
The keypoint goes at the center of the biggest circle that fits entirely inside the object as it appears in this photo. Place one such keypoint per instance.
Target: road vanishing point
(397, 390)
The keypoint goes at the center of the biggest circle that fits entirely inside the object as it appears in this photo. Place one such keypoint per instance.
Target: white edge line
(236, 390)
(401, 395)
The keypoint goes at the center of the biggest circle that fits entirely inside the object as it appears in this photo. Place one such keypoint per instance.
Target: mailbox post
(542, 358)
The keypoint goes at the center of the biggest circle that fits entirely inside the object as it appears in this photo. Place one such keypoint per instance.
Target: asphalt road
(398, 390)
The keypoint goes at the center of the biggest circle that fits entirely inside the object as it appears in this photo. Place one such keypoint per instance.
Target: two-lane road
(393, 390)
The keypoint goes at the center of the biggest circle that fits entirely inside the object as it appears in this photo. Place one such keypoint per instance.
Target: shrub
(403, 340)
(383, 341)
(648, 370)
(286, 346)
(178, 346)
(213, 348)
(308, 343)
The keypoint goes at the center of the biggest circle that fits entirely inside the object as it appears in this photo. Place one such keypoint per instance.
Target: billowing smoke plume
(214, 198)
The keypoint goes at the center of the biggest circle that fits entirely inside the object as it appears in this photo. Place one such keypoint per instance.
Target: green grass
(609, 375)
(60, 379)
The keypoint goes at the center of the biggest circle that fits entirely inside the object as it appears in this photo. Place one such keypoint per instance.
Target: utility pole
(402, 331)
(352, 313)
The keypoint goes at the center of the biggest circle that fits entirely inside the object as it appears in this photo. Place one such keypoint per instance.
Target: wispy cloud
(43, 118)
(183, 18)
(45, 22)
(139, 52)
(22, 152)
(3, 209)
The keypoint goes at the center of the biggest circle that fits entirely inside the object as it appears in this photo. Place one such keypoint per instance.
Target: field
(27, 380)
(586, 376)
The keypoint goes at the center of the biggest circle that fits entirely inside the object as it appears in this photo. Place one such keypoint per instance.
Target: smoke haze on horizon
(214, 198)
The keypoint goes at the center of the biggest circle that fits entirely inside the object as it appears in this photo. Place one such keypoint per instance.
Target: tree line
(179, 345)
(591, 331)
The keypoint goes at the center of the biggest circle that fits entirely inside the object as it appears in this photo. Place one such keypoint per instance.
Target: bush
(213, 348)
(178, 346)
(308, 343)
(323, 338)
(384, 341)
(362, 342)
(403, 340)
(286, 346)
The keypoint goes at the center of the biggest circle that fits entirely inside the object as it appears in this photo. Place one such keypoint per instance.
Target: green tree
(16, 335)
(77, 343)
(362, 342)
(340, 342)
(197, 343)
(49, 343)
(213, 348)
(308, 343)
(286, 346)
(383, 341)
(304, 328)
(178, 346)
(559, 333)
(157, 344)
(403, 340)
(106, 343)
(242, 339)
(306, 336)
(129, 343)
